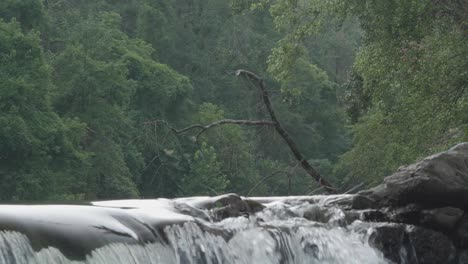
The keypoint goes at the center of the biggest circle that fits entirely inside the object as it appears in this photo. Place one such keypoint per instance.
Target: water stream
(180, 231)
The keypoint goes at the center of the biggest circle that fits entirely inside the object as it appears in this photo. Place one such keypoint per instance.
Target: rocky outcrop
(232, 205)
(419, 211)
(402, 243)
(436, 181)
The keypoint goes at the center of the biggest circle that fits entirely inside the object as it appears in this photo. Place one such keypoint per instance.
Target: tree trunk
(284, 134)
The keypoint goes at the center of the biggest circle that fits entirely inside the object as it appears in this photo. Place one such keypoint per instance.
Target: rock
(373, 216)
(463, 257)
(316, 213)
(438, 180)
(461, 233)
(350, 201)
(254, 206)
(409, 214)
(430, 247)
(330, 215)
(232, 205)
(192, 211)
(363, 202)
(388, 238)
(403, 243)
(445, 218)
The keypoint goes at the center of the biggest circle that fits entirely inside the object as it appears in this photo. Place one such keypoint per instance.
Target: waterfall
(277, 234)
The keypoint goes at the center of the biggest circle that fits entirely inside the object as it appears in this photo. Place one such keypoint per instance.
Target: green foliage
(84, 83)
(111, 82)
(30, 13)
(406, 95)
(356, 99)
(313, 116)
(206, 176)
(234, 152)
(414, 79)
(39, 150)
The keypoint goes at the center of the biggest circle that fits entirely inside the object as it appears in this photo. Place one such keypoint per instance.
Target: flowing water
(176, 231)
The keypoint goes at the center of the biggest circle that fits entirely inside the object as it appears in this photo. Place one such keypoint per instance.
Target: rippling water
(278, 234)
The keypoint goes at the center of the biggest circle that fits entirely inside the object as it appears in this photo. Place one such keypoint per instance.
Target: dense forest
(362, 86)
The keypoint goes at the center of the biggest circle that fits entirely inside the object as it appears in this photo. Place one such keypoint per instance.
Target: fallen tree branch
(288, 172)
(354, 188)
(264, 180)
(314, 191)
(203, 128)
(273, 122)
(284, 134)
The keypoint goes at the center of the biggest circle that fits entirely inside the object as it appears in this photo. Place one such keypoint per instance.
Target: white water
(278, 234)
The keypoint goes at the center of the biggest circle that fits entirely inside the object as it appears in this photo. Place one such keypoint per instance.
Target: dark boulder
(408, 214)
(436, 181)
(461, 233)
(430, 247)
(373, 216)
(402, 243)
(388, 238)
(232, 205)
(444, 219)
(350, 201)
(462, 257)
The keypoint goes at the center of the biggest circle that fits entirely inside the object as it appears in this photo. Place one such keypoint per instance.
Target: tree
(113, 66)
(408, 89)
(413, 78)
(275, 123)
(39, 149)
(206, 175)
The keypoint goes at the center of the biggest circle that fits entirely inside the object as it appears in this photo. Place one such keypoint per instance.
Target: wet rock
(191, 211)
(363, 202)
(461, 233)
(254, 206)
(351, 216)
(373, 216)
(462, 257)
(343, 201)
(438, 180)
(430, 247)
(330, 215)
(310, 248)
(316, 213)
(403, 243)
(409, 214)
(388, 238)
(232, 205)
(445, 218)
(351, 201)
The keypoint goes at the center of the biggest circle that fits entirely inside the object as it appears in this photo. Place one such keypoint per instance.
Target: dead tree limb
(273, 122)
(262, 181)
(355, 188)
(284, 134)
(288, 173)
(203, 128)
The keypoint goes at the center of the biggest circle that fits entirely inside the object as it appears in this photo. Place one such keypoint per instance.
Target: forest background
(362, 86)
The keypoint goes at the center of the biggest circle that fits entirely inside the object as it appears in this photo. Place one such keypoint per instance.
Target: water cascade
(416, 216)
(224, 229)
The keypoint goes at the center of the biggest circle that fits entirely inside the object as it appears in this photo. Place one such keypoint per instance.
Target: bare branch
(284, 134)
(354, 188)
(264, 180)
(203, 128)
(272, 122)
(314, 191)
(250, 74)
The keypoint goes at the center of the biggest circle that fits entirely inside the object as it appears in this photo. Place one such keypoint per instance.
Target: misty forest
(109, 99)
(233, 131)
